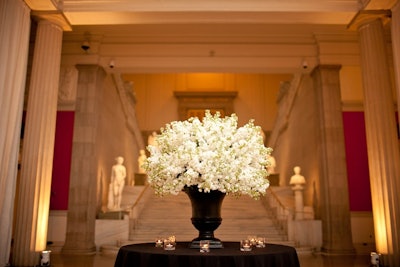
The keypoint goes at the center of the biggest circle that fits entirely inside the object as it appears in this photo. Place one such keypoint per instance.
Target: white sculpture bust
(152, 139)
(142, 158)
(297, 180)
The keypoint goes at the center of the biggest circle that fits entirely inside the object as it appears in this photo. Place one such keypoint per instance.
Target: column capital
(55, 17)
(41, 4)
(396, 7)
(380, 4)
(367, 16)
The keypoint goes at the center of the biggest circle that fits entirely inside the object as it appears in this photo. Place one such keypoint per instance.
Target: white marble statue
(271, 167)
(142, 158)
(118, 175)
(152, 139)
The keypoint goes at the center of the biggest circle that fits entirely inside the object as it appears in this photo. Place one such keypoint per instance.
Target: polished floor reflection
(317, 260)
(334, 261)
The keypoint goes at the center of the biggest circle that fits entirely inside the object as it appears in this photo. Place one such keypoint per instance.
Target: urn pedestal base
(206, 215)
(206, 227)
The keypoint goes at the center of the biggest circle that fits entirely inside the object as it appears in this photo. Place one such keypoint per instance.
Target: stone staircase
(170, 215)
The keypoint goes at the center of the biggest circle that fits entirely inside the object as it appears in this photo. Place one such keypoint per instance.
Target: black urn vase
(206, 215)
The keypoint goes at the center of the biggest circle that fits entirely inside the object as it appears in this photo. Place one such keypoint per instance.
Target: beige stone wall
(114, 139)
(351, 88)
(156, 104)
(257, 98)
(301, 129)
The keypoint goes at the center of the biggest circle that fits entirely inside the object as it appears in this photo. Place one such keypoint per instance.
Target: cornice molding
(41, 5)
(211, 5)
(55, 17)
(366, 16)
(380, 4)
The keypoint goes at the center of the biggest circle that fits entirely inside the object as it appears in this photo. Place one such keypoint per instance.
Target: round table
(147, 255)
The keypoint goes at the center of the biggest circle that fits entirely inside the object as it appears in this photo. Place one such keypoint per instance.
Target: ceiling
(207, 35)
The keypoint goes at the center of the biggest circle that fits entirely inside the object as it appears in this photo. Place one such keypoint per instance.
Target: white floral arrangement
(213, 154)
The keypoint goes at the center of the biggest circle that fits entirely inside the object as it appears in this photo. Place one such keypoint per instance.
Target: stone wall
(294, 138)
(114, 139)
(312, 137)
(103, 130)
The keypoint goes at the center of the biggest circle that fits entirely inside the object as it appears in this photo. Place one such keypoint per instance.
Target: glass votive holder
(169, 245)
(253, 240)
(245, 245)
(204, 246)
(172, 238)
(159, 243)
(260, 243)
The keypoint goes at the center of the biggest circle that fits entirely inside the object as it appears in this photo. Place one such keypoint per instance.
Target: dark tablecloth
(147, 255)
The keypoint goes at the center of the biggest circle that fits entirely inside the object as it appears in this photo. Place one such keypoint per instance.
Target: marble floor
(362, 259)
(318, 260)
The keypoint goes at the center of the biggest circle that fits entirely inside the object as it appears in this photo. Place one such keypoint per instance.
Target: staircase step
(170, 215)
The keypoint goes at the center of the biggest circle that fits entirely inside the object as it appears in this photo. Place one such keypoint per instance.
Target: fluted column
(382, 139)
(335, 207)
(396, 50)
(82, 202)
(14, 36)
(37, 156)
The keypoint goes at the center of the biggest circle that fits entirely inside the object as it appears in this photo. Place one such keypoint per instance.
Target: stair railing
(282, 213)
(137, 207)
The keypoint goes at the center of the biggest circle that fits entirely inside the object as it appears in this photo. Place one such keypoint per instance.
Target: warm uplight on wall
(43, 203)
(381, 240)
(41, 231)
(206, 82)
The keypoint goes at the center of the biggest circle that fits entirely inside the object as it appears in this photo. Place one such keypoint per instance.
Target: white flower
(213, 154)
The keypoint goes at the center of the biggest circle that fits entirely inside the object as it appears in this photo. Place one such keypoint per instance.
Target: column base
(79, 251)
(344, 251)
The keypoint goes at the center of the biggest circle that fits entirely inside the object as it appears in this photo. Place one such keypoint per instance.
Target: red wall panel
(356, 157)
(357, 161)
(62, 160)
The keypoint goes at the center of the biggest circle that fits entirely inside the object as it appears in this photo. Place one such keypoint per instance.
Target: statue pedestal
(112, 232)
(298, 201)
(112, 215)
(140, 179)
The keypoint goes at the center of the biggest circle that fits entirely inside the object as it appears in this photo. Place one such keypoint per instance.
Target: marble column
(37, 157)
(82, 200)
(382, 139)
(396, 50)
(14, 36)
(335, 207)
